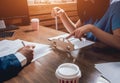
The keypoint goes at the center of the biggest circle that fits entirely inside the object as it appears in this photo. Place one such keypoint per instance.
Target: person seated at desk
(11, 64)
(105, 30)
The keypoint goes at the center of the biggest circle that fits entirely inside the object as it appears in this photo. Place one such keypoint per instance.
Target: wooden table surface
(43, 69)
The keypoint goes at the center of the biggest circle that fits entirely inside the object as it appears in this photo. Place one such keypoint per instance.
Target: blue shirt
(110, 21)
(9, 67)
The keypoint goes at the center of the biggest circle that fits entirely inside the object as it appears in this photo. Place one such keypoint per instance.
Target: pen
(105, 79)
(23, 43)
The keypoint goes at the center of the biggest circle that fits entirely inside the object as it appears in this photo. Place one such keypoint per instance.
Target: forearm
(109, 39)
(69, 25)
(78, 24)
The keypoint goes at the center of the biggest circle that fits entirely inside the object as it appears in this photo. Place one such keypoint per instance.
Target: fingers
(72, 34)
(56, 8)
(27, 47)
(30, 46)
(76, 34)
(53, 13)
(56, 11)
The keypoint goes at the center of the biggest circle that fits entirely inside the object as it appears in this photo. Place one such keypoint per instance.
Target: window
(49, 1)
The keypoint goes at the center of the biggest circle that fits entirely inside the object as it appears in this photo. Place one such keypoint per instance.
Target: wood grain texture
(43, 12)
(43, 69)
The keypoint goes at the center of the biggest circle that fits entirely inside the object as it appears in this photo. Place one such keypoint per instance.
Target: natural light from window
(49, 1)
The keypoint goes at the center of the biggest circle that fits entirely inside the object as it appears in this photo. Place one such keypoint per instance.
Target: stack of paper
(9, 46)
(110, 71)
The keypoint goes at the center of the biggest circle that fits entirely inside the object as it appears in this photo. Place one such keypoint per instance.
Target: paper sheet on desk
(9, 46)
(39, 50)
(110, 71)
(76, 42)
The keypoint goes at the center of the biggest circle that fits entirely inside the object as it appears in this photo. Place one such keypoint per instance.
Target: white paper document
(101, 80)
(9, 46)
(75, 41)
(110, 71)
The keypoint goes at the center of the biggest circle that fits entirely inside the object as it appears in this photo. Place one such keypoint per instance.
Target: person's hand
(56, 11)
(27, 51)
(80, 32)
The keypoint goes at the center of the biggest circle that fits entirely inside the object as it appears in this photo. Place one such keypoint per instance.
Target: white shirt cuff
(21, 58)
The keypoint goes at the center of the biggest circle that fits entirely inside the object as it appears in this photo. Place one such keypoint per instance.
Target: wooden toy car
(62, 44)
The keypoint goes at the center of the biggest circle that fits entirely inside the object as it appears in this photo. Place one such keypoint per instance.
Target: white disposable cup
(35, 23)
(68, 73)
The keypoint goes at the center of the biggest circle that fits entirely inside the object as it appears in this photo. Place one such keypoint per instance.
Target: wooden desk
(43, 69)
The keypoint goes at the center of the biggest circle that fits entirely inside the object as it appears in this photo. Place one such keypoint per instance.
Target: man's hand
(27, 51)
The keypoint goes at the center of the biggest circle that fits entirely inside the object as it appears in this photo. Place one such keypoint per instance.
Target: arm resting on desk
(9, 67)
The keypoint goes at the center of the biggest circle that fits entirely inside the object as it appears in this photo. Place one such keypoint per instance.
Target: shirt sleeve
(22, 59)
(9, 67)
(116, 20)
(116, 16)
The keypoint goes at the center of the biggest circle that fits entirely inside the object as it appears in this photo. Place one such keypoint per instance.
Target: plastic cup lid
(35, 20)
(68, 71)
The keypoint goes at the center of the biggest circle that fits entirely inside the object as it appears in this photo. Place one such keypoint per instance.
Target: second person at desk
(105, 29)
